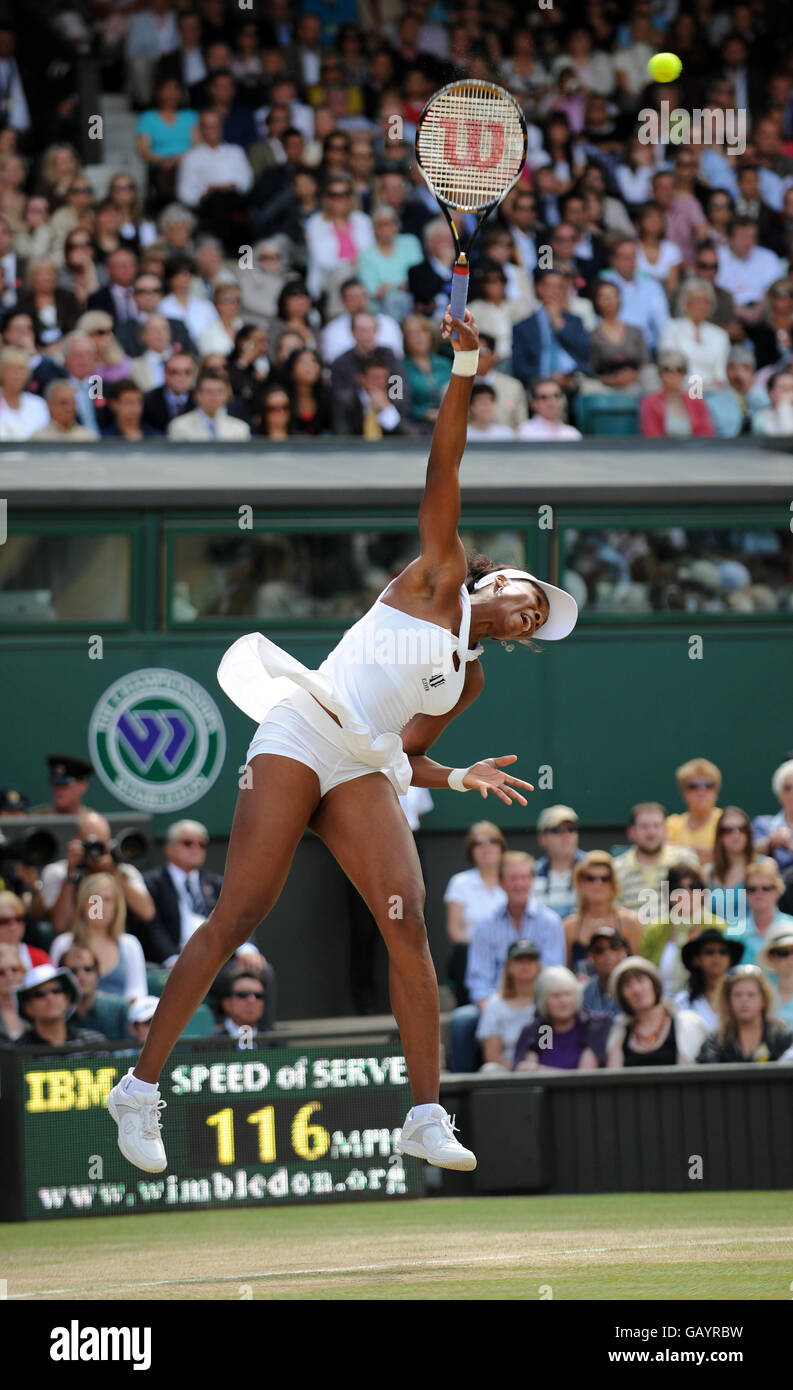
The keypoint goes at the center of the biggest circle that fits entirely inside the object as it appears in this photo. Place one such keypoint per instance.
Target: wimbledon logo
(157, 740)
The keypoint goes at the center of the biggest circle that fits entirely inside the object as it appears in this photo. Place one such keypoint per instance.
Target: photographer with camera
(92, 852)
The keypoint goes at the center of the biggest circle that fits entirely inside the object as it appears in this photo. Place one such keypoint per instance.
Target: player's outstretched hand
(486, 777)
(467, 339)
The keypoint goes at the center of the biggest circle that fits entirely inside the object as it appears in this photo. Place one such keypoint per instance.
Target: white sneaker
(432, 1137)
(138, 1119)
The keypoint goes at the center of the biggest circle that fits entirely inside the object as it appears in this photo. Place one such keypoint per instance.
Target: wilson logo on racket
(472, 154)
(471, 143)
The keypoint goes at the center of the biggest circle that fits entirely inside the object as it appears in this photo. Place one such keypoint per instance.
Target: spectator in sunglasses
(596, 889)
(557, 832)
(774, 833)
(606, 949)
(12, 973)
(707, 959)
(747, 1030)
(776, 959)
(733, 851)
(12, 929)
(47, 1001)
(763, 888)
(95, 1010)
(700, 782)
(683, 909)
(243, 1006)
(672, 412)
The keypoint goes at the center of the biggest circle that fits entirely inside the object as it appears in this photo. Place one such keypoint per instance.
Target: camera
(32, 847)
(128, 847)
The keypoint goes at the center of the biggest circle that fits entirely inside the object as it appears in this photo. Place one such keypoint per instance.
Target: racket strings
(471, 145)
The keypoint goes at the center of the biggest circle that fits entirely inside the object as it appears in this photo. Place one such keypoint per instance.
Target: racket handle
(459, 295)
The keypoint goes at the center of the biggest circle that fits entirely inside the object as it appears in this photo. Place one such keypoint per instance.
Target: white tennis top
(388, 667)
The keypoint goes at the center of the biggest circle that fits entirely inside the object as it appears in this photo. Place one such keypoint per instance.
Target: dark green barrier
(647, 1129)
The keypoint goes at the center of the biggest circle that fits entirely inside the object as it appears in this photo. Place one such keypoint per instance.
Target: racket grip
(459, 294)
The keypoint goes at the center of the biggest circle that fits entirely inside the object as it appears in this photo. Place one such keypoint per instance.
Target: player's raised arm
(439, 513)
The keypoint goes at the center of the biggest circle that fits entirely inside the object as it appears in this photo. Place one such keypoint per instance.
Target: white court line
(462, 1263)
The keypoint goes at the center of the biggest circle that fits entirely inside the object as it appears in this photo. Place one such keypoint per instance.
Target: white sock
(133, 1083)
(424, 1112)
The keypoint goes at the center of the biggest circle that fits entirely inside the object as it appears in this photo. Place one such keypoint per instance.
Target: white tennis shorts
(298, 727)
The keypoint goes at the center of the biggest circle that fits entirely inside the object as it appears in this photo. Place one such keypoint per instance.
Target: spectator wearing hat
(773, 833)
(606, 949)
(12, 973)
(776, 958)
(510, 1008)
(13, 802)
(69, 782)
(641, 870)
(472, 896)
(557, 832)
(700, 783)
(244, 1006)
(13, 922)
(521, 918)
(684, 910)
(139, 1017)
(763, 889)
(564, 1035)
(707, 959)
(747, 1030)
(596, 890)
(47, 1001)
(95, 1010)
(651, 1031)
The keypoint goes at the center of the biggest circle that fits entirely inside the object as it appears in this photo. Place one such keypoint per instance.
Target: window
(77, 578)
(331, 576)
(676, 569)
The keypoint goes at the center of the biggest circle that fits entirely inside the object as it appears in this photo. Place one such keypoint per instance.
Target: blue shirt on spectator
(747, 932)
(493, 937)
(644, 303)
(761, 829)
(599, 1001)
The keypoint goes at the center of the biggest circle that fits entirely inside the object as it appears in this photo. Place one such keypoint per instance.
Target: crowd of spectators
(675, 949)
(281, 269)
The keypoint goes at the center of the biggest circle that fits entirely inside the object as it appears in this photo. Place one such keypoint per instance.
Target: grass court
(692, 1246)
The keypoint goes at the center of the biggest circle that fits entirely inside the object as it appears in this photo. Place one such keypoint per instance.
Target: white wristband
(455, 779)
(466, 364)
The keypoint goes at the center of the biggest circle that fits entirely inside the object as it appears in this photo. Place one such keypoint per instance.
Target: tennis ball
(664, 67)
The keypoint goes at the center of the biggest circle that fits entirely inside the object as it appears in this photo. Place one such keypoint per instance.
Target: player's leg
(364, 827)
(269, 821)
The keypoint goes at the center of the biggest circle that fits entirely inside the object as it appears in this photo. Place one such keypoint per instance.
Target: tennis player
(332, 751)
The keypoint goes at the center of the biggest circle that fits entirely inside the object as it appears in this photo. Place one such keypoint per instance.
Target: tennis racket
(471, 148)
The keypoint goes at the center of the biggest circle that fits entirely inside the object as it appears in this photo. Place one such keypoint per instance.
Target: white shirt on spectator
(500, 1020)
(189, 919)
(204, 166)
(300, 116)
(706, 347)
(214, 337)
(31, 415)
(322, 246)
(416, 803)
(538, 428)
(669, 255)
(198, 313)
(493, 432)
(53, 875)
(748, 277)
(477, 898)
(336, 337)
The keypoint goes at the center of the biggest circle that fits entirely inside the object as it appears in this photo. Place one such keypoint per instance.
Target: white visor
(563, 609)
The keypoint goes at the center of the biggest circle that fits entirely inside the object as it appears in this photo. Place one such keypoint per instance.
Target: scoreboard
(242, 1127)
